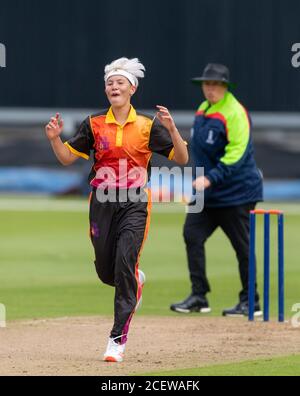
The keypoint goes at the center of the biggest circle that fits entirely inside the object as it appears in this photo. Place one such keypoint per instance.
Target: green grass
(283, 366)
(47, 266)
(47, 270)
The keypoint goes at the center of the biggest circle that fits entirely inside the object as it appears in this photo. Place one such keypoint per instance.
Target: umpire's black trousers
(198, 227)
(118, 231)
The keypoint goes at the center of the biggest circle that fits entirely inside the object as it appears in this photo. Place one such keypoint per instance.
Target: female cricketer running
(121, 141)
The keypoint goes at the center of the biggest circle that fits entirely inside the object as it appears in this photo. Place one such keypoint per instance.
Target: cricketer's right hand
(55, 127)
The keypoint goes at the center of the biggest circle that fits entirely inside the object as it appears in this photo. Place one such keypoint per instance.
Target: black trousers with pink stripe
(118, 231)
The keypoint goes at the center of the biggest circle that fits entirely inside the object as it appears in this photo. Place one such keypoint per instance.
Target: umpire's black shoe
(241, 309)
(193, 303)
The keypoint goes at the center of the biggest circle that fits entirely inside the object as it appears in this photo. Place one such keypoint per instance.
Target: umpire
(222, 144)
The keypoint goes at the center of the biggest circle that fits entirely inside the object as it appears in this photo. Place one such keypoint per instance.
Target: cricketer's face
(214, 91)
(119, 91)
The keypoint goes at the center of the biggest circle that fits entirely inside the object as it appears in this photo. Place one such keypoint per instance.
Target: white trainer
(114, 351)
(142, 280)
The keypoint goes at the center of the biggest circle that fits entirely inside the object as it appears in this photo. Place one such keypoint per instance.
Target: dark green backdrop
(56, 50)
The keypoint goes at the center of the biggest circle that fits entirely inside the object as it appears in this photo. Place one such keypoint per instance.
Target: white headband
(119, 72)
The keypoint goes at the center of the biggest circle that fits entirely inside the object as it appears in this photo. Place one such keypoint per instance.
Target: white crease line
(41, 205)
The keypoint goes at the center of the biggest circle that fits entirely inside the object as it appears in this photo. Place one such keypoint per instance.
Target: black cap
(213, 72)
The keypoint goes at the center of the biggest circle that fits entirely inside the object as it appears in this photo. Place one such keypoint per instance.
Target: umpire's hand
(201, 183)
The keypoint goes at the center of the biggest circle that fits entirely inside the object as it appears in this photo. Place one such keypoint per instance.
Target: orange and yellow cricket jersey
(122, 153)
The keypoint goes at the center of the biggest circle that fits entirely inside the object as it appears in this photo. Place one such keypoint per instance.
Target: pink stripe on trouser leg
(126, 327)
